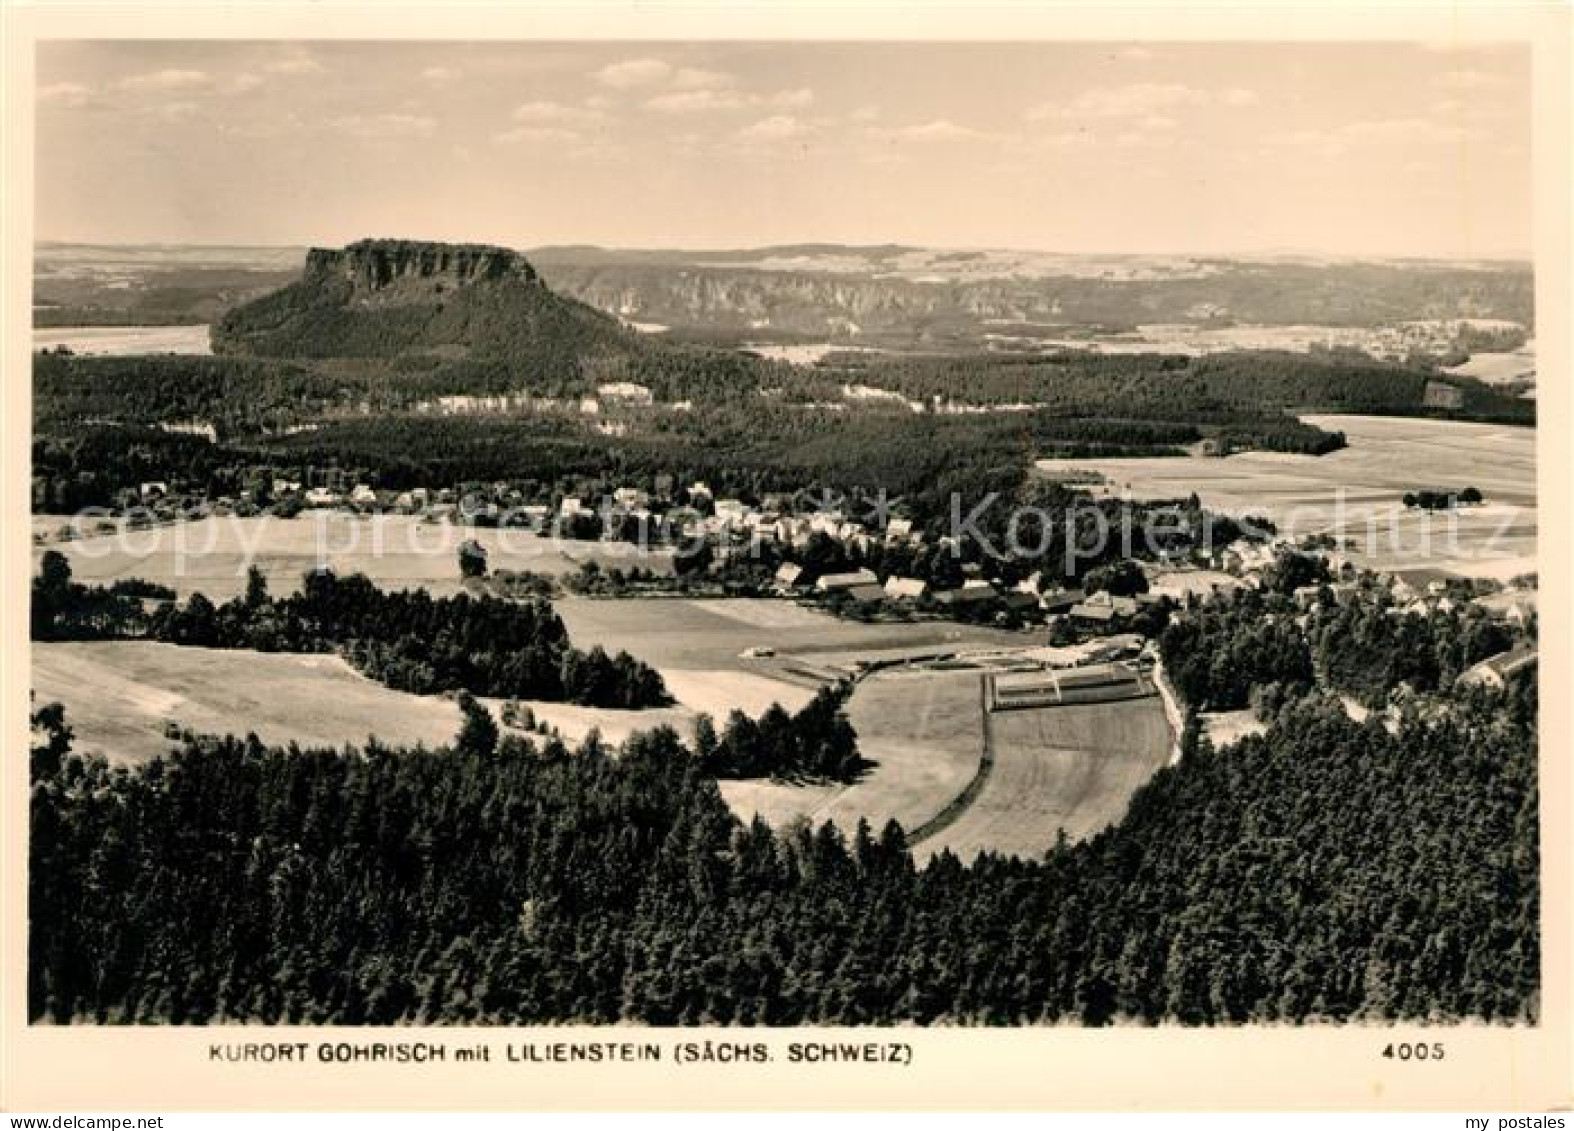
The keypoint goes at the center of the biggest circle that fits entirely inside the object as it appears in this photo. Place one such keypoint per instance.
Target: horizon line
(1495, 256)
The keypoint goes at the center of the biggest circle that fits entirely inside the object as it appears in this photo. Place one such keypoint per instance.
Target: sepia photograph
(610, 538)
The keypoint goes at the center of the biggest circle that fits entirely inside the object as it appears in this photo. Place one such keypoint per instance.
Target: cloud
(296, 61)
(695, 78)
(1390, 132)
(866, 114)
(439, 75)
(385, 125)
(1135, 54)
(777, 127)
(793, 99)
(703, 100)
(169, 79)
(557, 114)
(939, 131)
(633, 73)
(536, 135)
(241, 83)
(1138, 100)
(68, 94)
(698, 101)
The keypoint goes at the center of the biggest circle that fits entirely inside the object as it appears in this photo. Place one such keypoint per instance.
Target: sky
(1345, 149)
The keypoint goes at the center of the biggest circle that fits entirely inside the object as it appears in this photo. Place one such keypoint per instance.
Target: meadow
(119, 695)
(211, 555)
(124, 341)
(923, 731)
(1073, 768)
(1358, 490)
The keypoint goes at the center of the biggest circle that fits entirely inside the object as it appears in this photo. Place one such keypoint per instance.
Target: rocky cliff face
(373, 266)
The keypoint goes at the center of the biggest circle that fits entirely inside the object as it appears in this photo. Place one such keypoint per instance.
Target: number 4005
(1419, 1051)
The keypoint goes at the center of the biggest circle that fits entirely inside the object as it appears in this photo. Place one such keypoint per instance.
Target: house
(788, 575)
(1102, 608)
(871, 592)
(1496, 671)
(322, 497)
(964, 596)
(626, 391)
(286, 486)
(1089, 613)
(1512, 606)
(1018, 601)
(898, 529)
(363, 496)
(1306, 595)
(535, 515)
(1057, 601)
(730, 510)
(155, 489)
(831, 582)
(572, 506)
(905, 588)
(629, 497)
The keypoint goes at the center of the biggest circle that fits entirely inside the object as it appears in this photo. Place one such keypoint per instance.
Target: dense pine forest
(1325, 871)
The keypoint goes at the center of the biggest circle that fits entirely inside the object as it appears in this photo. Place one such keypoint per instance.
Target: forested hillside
(386, 298)
(1326, 871)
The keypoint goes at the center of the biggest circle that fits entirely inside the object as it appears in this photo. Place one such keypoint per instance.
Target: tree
(478, 732)
(54, 572)
(51, 741)
(256, 588)
(472, 559)
(1470, 495)
(1124, 578)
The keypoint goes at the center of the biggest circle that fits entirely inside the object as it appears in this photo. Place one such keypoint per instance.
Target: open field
(211, 555)
(708, 635)
(1357, 491)
(923, 731)
(124, 341)
(1500, 368)
(1225, 727)
(1072, 768)
(118, 695)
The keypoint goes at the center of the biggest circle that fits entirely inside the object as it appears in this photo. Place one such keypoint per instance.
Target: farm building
(788, 575)
(1018, 601)
(1060, 600)
(905, 588)
(1114, 648)
(831, 582)
(1101, 608)
(1094, 683)
(625, 391)
(964, 596)
(1514, 606)
(1496, 671)
(871, 592)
